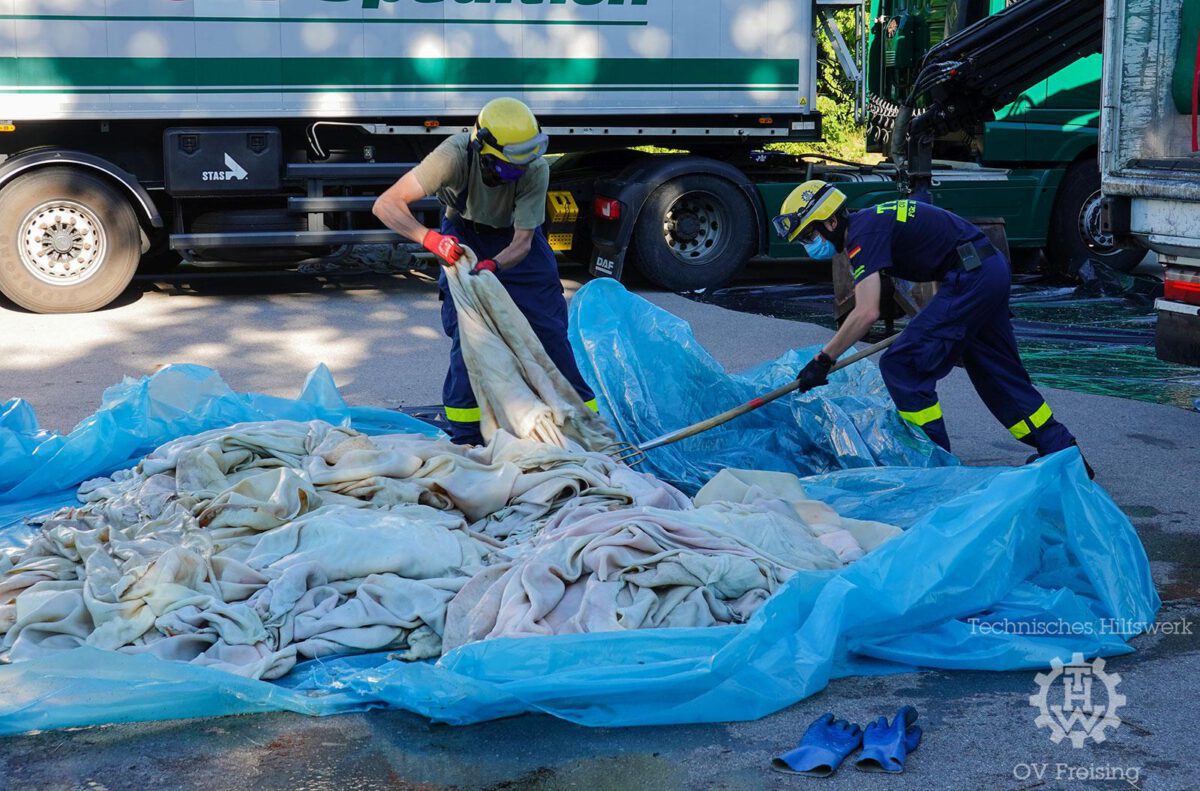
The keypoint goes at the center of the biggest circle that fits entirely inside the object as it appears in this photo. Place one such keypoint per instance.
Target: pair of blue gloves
(827, 742)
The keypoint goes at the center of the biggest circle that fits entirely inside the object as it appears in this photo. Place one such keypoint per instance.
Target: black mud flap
(608, 260)
(1177, 337)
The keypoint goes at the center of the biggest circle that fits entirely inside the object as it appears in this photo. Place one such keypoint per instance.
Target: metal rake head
(625, 453)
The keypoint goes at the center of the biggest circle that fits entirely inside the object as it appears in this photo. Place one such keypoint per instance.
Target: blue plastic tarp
(1040, 557)
(997, 569)
(651, 377)
(138, 415)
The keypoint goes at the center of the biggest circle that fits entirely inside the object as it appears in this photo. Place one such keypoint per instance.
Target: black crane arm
(970, 75)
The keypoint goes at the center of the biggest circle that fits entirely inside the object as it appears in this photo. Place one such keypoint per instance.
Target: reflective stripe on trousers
(1037, 420)
(472, 415)
(927, 415)
(457, 415)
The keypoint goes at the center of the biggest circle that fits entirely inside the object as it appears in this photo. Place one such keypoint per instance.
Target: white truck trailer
(259, 131)
(1150, 152)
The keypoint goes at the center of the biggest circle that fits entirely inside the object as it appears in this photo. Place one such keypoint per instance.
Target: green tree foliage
(845, 138)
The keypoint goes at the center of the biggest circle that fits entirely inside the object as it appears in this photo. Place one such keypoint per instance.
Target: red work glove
(486, 265)
(445, 247)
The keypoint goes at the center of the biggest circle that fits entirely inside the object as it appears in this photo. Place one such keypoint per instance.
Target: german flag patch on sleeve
(853, 251)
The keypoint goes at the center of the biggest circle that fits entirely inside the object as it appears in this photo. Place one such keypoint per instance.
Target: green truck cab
(1034, 164)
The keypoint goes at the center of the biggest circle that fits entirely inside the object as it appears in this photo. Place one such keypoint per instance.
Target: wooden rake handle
(755, 403)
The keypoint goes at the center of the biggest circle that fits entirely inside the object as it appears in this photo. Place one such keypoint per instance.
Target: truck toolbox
(217, 160)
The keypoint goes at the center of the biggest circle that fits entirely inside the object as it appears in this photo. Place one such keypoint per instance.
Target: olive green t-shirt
(521, 204)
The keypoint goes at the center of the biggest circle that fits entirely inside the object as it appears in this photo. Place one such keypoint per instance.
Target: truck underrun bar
(352, 203)
(200, 241)
(965, 78)
(379, 172)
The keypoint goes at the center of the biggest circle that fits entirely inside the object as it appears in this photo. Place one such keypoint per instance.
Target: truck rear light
(1182, 291)
(606, 208)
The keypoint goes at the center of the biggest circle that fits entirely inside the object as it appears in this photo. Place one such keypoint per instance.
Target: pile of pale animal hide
(252, 547)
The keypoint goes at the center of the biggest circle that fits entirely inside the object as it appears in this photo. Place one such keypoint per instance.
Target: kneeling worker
(492, 182)
(968, 319)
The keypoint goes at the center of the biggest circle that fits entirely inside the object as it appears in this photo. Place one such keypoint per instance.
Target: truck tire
(69, 242)
(694, 232)
(1075, 234)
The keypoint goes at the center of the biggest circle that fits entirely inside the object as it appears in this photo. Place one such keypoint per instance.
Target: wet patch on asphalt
(1094, 337)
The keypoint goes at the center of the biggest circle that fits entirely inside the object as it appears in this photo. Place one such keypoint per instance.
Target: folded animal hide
(518, 387)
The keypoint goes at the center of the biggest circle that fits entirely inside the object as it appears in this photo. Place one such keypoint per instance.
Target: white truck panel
(70, 59)
(1144, 137)
(1146, 157)
(8, 29)
(1140, 122)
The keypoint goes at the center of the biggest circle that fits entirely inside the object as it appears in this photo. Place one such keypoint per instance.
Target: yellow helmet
(812, 202)
(507, 129)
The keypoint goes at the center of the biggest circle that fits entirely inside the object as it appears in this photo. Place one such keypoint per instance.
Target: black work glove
(816, 373)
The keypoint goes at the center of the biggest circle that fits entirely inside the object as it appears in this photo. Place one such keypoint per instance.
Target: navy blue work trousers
(969, 320)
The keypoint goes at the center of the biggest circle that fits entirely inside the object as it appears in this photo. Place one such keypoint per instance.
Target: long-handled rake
(633, 455)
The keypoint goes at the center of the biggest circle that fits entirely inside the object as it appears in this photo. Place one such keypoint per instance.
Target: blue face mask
(820, 249)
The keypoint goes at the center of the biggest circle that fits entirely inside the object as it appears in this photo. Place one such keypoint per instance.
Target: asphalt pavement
(381, 337)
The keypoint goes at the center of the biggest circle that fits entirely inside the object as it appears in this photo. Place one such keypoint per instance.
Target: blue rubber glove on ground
(822, 749)
(886, 745)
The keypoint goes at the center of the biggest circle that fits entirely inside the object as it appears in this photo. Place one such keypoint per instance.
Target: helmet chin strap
(837, 235)
(489, 175)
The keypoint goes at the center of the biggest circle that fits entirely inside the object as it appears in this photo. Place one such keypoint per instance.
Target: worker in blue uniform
(967, 320)
(492, 183)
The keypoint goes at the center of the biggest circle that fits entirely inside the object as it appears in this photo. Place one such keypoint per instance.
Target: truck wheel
(694, 232)
(69, 242)
(1075, 234)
